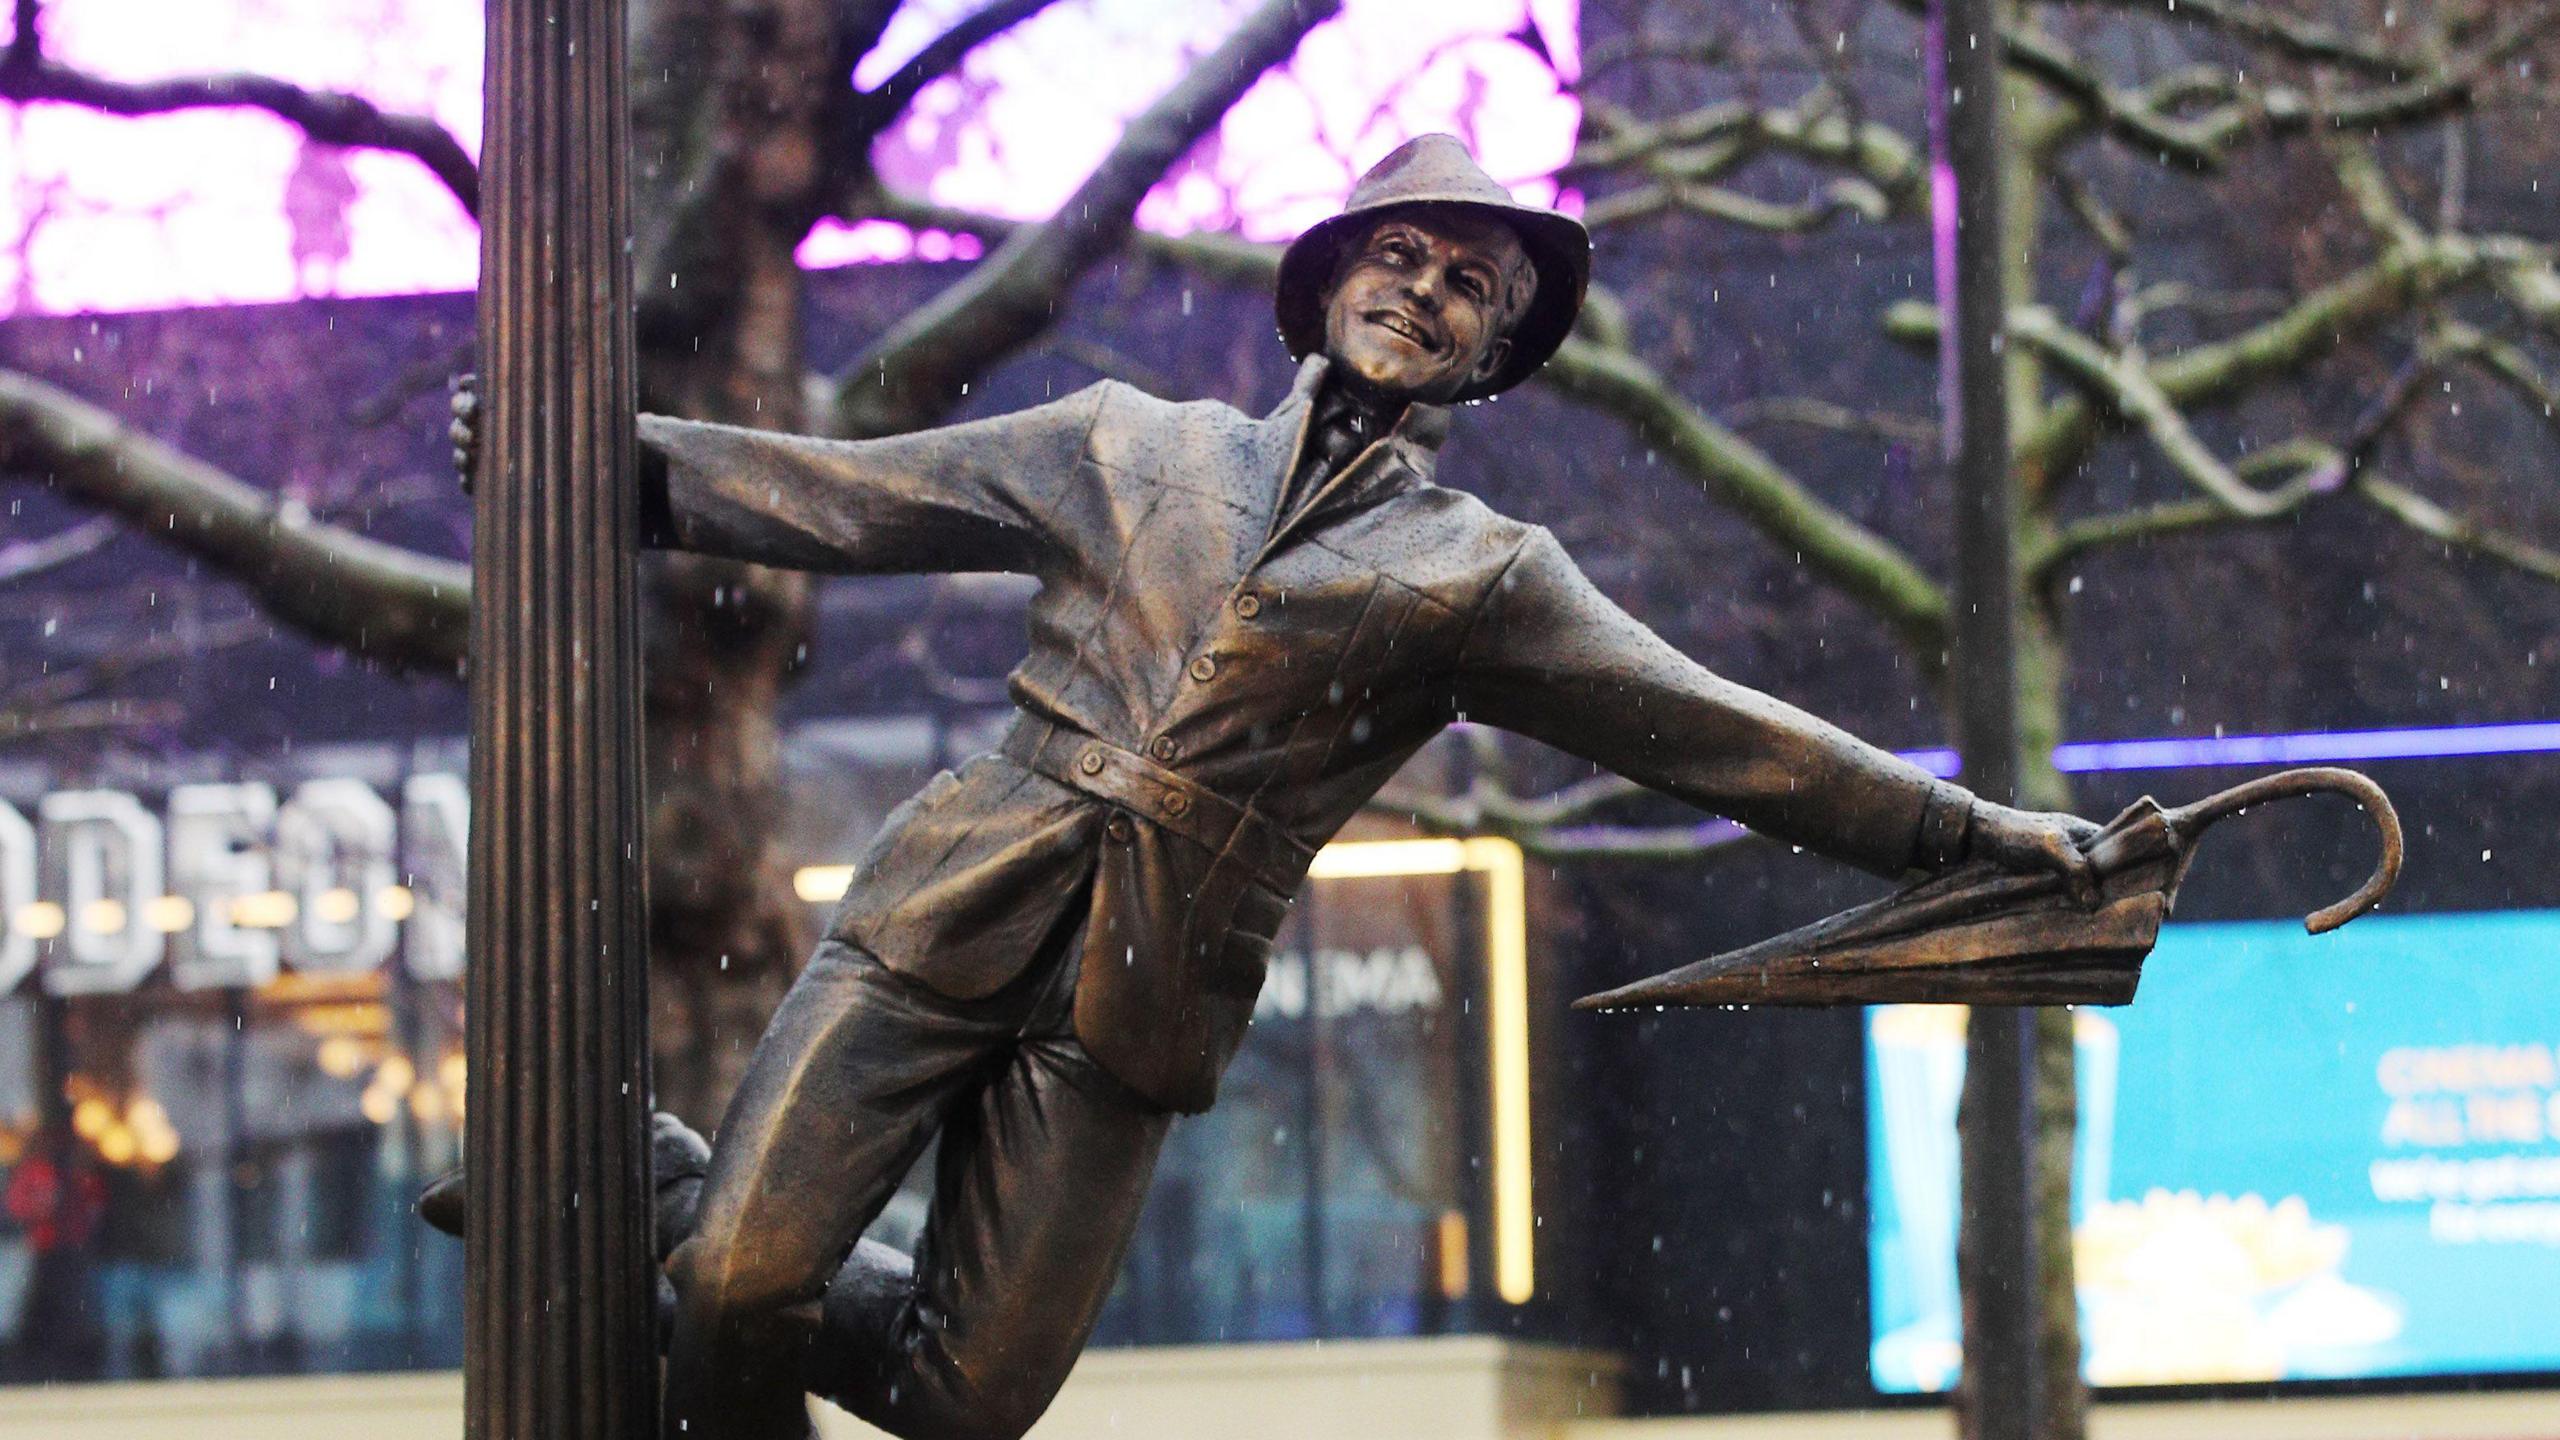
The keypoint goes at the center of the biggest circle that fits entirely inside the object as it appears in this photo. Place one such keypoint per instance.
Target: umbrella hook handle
(2189, 821)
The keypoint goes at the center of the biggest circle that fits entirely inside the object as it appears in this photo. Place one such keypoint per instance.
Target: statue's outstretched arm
(1554, 659)
(969, 497)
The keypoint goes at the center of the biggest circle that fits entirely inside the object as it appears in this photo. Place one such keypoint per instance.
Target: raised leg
(1037, 1187)
(851, 1079)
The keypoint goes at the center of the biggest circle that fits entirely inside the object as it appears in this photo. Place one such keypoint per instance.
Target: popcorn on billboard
(2297, 1160)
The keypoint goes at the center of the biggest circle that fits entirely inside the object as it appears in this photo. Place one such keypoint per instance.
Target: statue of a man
(1244, 626)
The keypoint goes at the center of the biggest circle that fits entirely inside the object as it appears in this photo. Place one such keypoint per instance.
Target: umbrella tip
(1632, 996)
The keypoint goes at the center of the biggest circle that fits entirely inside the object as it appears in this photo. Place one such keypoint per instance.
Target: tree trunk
(735, 98)
(2020, 1309)
(2043, 665)
(2043, 677)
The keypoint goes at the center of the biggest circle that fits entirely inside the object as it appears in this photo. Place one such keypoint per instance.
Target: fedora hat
(1437, 170)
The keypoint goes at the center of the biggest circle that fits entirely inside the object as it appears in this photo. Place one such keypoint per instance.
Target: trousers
(1044, 1163)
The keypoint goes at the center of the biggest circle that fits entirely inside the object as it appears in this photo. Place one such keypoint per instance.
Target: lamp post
(558, 1329)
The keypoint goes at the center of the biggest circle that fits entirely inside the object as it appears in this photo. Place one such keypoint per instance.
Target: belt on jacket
(1142, 787)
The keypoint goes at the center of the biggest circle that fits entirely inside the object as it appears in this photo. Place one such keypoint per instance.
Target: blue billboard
(2299, 1159)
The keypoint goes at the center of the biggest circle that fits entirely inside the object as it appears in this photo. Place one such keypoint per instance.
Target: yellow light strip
(1373, 859)
(1506, 928)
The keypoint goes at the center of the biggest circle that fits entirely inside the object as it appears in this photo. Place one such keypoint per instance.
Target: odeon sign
(227, 884)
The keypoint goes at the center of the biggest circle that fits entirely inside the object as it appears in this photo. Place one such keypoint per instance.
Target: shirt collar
(1422, 428)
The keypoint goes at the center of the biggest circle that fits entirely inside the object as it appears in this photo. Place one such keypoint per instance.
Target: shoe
(441, 1203)
(678, 1159)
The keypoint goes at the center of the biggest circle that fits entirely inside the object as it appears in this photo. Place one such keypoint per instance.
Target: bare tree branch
(1490, 799)
(1224, 259)
(1828, 415)
(62, 690)
(1707, 143)
(1738, 475)
(876, 109)
(1112, 363)
(2123, 382)
(913, 375)
(342, 588)
(2506, 362)
(1623, 140)
(2146, 523)
(2145, 119)
(2391, 287)
(30, 558)
(2530, 283)
(1616, 50)
(2449, 89)
(2368, 188)
(2437, 523)
(2224, 371)
(2101, 221)
(2314, 469)
(2130, 117)
(2291, 36)
(1840, 197)
(19, 724)
(2136, 309)
(328, 116)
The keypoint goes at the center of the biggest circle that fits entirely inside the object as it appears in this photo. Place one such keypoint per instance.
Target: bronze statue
(1244, 627)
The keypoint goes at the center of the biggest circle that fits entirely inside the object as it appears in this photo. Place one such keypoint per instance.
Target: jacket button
(1164, 748)
(1204, 669)
(1091, 764)
(1248, 605)
(1118, 828)
(1175, 802)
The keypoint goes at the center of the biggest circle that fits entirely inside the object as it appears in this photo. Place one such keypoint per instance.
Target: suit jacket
(1213, 689)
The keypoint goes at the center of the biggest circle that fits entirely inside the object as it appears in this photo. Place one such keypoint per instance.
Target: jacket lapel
(1280, 437)
(1405, 454)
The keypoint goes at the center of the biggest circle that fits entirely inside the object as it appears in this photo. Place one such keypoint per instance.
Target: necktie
(1341, 431)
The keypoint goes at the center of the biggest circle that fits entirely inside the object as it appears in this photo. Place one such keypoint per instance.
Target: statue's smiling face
(1421, 306)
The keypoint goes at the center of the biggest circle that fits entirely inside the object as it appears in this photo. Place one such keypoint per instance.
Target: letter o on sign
(103, 854)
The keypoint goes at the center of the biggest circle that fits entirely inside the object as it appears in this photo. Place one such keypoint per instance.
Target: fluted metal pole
(558, 1331)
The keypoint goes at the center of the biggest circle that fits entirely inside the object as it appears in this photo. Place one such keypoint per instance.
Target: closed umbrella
(1981, 935)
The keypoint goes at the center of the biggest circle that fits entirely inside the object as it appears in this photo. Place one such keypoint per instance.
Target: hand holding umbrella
(2025, 841)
